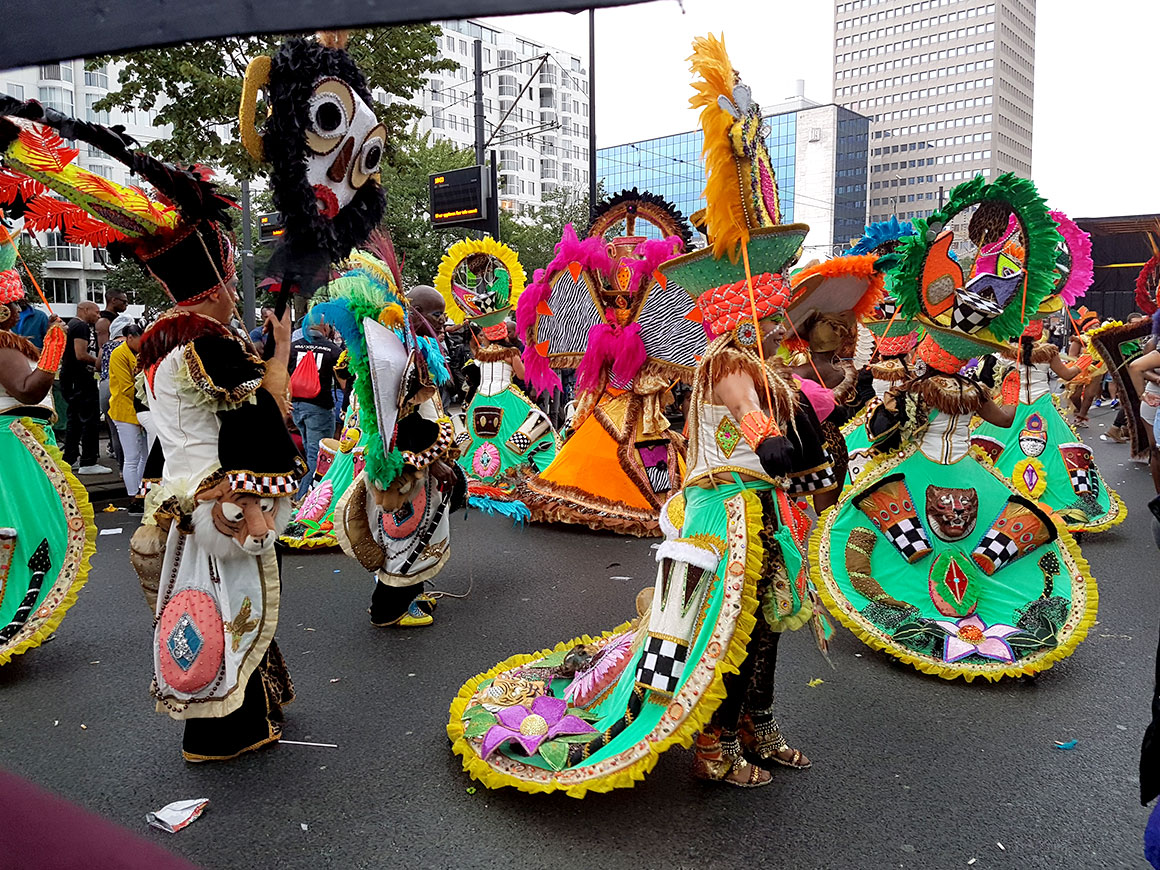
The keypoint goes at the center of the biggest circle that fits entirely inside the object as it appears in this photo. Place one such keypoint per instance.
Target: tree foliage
(138, 285)
(196, 88)
(34, 258)
(534, 236)
(408, 219)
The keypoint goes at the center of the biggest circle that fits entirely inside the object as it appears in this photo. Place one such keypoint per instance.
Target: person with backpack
(312, 360)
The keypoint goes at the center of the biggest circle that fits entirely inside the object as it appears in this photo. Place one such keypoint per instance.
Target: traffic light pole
(479, 131)
(591, 112)
(249, 293)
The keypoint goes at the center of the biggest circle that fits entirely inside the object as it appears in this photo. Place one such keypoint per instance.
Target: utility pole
(591, 112)
(249, 296)
(479, 131)
(940, 197)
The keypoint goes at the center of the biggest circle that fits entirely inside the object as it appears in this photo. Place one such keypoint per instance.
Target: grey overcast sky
(1096, 147)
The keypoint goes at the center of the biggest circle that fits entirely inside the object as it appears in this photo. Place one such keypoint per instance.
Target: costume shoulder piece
(222, 369)
(181, 238)
(220, 366)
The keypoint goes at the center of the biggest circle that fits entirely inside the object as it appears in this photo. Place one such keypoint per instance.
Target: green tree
(34, 257)
(196, 88)
(138, 285)
(534, 236)
(408, 219)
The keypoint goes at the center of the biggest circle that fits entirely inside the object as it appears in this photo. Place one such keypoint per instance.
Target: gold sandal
(716, 760)
(765, 740)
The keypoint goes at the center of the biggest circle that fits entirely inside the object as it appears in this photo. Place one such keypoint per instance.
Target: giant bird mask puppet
(324, 146)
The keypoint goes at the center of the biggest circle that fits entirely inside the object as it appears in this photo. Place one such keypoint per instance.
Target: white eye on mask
(232, 512)
(346, 145)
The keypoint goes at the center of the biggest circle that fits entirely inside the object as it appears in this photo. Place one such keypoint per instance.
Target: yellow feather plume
(725, 210)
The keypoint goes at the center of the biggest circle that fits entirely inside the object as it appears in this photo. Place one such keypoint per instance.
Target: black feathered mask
(324, 146)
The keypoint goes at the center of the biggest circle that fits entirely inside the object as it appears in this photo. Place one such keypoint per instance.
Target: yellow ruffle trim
(322, 542)
(90, 546)
(1113, 517)
(950, 672)
(696, 720)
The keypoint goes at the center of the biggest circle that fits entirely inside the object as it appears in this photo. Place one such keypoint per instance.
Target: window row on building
(919, 76)
(918, 93)
(934, 143)
(923, 59)
(931, 127)
(900, 11)
(936, 178)
(908, 27)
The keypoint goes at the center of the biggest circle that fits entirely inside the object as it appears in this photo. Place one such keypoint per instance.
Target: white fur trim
(684, 551)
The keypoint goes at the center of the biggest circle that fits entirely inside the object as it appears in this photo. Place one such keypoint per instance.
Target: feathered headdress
(481, 280)
(734, 149)
(392, 365)
(182, 238)
(962, 317)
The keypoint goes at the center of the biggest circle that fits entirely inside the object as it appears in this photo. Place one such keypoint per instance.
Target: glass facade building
(670, 166)
(833, 193)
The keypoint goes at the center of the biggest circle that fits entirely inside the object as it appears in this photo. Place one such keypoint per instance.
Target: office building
(542, 142)
(73, 273)
(819, 154)
(948, 87)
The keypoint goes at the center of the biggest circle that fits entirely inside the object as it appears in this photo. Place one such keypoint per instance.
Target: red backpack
(304, 383)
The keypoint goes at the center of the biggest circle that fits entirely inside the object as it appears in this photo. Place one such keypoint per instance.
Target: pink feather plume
(1079, 245)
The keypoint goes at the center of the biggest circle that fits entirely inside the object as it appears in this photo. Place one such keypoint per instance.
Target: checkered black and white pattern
(662, 665)
(1083, 481)
(973, 312)
(995, 550)
(263, 484)
(910, 538)
(519, 442)
(814, 481)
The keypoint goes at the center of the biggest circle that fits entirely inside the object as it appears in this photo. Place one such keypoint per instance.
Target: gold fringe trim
(949, 395)
(1041, 352)
(495, 353)
(1068, 547)
(892, 370)
(90, 546)
(698, 717)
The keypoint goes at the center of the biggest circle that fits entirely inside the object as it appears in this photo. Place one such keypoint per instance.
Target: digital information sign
(460, 197)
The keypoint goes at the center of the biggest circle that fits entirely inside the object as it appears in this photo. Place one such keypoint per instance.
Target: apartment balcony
(547, 116)
(548, 99)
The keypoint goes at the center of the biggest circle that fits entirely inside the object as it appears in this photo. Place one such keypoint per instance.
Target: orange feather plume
(724, 212)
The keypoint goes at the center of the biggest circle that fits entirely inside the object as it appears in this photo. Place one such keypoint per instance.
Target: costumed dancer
(1084, 388)
(601, 306)
(46, 523)
(823, 342)
(893, 342)
(340, 461)
(1039, 453)
(394, 518)
(595, 713)
(229, 465)
(931, 555)
(481, 281)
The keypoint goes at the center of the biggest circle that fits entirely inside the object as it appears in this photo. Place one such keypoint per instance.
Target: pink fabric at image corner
(40, 831)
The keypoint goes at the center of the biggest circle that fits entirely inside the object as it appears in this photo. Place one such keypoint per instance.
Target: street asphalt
(910, 771)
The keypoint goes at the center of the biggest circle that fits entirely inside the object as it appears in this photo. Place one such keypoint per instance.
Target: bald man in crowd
(78, 383)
